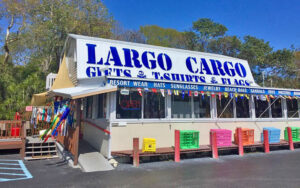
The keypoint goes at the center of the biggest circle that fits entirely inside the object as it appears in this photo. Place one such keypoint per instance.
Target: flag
(140, 91)
(247, 96)
(196, 93)
(242, 96)
(146, 89)
(272, 97)
(231, 95)
(190, 93)
(267, 97)
(207, 93)
(154, 90)
(226, 95)
(220, 95)
(162, 92)
(169, 92)
(182, 93)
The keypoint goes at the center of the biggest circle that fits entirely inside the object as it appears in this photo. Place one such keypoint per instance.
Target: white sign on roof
(101, 57)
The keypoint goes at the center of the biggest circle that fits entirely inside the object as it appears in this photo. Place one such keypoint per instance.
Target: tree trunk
(6, 48)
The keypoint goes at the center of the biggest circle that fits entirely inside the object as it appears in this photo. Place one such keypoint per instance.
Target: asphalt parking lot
(277, 169)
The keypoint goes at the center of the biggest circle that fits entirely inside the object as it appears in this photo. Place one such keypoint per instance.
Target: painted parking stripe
(10, 164)
(6, 168)
(24, 173)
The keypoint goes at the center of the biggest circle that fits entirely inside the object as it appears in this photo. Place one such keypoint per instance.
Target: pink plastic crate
(223, 137)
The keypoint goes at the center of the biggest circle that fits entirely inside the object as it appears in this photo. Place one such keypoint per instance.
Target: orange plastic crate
(247, 136)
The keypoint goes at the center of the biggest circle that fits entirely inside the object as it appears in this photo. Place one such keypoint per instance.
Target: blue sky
(276, 21)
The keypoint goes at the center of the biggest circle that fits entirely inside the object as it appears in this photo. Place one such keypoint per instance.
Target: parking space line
(24, 175)
(6, 168)
(13, 174)
(10, 164)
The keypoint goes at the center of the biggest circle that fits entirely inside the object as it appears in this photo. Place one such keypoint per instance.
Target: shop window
(89, 107)
(276, 108)
(154, 105)
(101, 106)
(242, 107)
(129, 106)
(292, 108)
(202, 106)
(181, 107)
(260, 106)
(221, 104)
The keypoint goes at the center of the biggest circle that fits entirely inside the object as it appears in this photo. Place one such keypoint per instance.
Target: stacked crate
(295, 134)
(189, 139)
(247, 136)
(223, 137)
(274, 134)
(149, 145)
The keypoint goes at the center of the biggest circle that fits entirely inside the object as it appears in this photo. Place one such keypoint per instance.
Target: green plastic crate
(189, 139)
(295, 134)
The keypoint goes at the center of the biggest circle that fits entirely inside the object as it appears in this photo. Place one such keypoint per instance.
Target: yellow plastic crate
(149, 145)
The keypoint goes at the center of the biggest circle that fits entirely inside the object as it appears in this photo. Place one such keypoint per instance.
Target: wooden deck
(9, 138)
(202, 148)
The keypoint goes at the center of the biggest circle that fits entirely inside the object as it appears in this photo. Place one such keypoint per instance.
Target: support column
(240, 141)
(266, 141)
(135, 152)
(213, 144)
(289, 130)
(78, 122)
(177, 146)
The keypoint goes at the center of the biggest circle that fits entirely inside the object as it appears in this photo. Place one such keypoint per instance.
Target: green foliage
(159, 36)
(206, 30)
(35, 42)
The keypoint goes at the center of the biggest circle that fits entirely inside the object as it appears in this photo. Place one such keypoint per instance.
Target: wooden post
(78, 122)
(135, 152)
(177, 146)
(240, 141)
(213, 144)
(23, 138)
(289, 130)
(266, 141)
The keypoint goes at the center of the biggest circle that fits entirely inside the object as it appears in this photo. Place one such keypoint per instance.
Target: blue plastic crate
(274, 134)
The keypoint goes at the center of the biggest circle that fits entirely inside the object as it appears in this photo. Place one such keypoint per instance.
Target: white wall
(121, 137)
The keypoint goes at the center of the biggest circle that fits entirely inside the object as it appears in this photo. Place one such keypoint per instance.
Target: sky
(276, 21)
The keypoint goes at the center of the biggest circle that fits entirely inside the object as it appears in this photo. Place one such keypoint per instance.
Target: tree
(228, 45)
(206, 30)
(15, 13)
(159, 36)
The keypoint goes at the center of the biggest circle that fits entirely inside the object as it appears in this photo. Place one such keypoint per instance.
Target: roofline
(150, 46)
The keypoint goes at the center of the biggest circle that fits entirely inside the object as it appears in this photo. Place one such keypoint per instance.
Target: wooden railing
(11, 129)
(13, 135)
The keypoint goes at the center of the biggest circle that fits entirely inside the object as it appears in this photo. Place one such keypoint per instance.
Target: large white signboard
(101, 57)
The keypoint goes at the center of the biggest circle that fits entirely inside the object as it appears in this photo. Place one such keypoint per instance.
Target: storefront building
(136, 90)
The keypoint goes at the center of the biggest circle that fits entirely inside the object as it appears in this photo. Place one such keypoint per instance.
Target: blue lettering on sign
(151, 61)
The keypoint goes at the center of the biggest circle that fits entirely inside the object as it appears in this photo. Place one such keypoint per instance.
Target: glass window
(242, 107)
(181, 107)
(261, 104)
(202, 106)
(154, 105)
(102, 106)
(292, 108)
(276, 108)
(129, 106)
(228, 113)
(89, 107)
